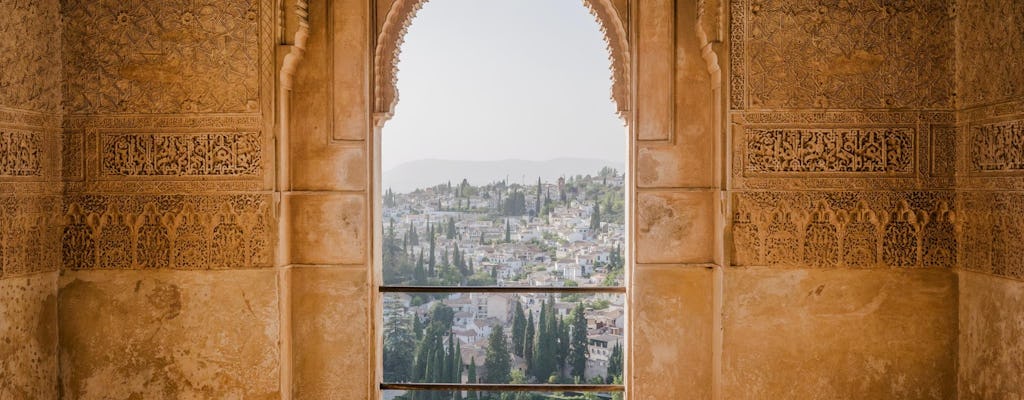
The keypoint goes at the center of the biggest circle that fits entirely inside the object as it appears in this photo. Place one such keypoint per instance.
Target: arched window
(502, 252)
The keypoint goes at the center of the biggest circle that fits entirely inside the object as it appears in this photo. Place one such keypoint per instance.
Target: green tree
(431, 261)
(398, 339)
(528, 344)
(498, 365)
(578, 351)
(451, 228)
(615, 364)
(471, 378)
(508, 231)
(595, 218)
(518, 329)
(419, 275)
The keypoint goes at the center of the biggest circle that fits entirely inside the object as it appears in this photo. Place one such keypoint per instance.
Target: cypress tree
(528, 344)
(595, 218)
(578, 351)
(614, 363)
(451, 228)
(419, 275)
(498, 365)
(431, 263)
(518, 329)
(508, 231)
(537, 206)
(471, 378)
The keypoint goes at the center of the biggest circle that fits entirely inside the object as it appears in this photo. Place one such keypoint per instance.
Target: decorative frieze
(844, 229)
(181, 154)
(997, 147)
(167, 231)
(20, 153)
(829, 150)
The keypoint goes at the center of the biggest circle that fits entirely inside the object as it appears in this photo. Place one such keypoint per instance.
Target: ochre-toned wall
(842, 208)
(30, 189)
(835, 225)
(167, 287)
(990, 190)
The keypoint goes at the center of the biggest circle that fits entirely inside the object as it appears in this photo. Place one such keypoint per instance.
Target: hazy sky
(499, 79)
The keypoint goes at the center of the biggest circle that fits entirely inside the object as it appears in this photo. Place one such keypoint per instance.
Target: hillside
(423, 173)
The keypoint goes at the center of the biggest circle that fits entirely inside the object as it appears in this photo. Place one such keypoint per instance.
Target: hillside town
(567, 233)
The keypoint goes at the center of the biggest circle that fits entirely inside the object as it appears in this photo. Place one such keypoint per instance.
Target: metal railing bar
(512, 387)
(500, 289)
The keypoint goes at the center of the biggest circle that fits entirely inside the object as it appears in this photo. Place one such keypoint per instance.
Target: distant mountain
(425, 173)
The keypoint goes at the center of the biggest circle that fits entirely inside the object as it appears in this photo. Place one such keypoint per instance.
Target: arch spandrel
(400, 14)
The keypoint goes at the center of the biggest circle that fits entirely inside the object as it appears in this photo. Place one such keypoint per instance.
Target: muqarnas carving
(992, 229)
(172, 56)
(830, 150)
(167, 231)
(851, 229)
(997, 147)
(29, 234)
(197, 154)
(841, 54)
(20, 153)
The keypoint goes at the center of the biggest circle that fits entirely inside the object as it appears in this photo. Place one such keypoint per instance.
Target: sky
(503, 79)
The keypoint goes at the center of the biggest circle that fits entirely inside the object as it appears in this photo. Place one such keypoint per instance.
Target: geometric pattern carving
(194, 154)
(20, 153)
(830, 150)
(167, 231)
(802, 55)
(990, 40)
(843, 229)
(29, 68)
(160, 57)
(997, 147)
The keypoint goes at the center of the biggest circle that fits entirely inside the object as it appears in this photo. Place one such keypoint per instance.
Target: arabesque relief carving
(991, 232)
(991, 51)
(176, 154)
(29, 233)
(156, 57)
(20, 152)
(844, 229)
(997, 147)
(841, 55)
(167, 231)
(30, 74)
(830, 150)
(897, 150)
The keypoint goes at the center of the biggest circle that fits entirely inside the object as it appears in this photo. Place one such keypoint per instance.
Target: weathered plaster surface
(28, 337)
(839, 334)
(331, 311)
(169, 335)
(673, 314)
(991, 337)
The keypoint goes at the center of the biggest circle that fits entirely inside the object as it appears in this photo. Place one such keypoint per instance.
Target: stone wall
(169, 232)
(842, 208)
(30, 188)
(990, 192)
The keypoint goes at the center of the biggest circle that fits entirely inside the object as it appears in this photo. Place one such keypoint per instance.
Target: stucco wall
(167, 287)
(30, 174)
(842, 220)
(989, 44)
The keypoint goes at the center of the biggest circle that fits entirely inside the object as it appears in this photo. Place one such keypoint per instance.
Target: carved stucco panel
(843, 229)
(178, 56)
(846, 55)
(167, 231)
(30, 55)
